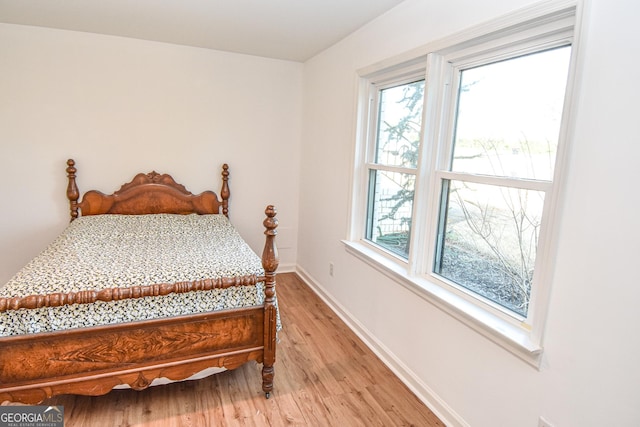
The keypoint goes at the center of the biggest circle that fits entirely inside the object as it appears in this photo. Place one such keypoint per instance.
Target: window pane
(509, 113)
(488, 242)
(390, 209)
(398, 127)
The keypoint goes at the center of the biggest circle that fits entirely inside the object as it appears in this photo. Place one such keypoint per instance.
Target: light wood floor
(325, 376)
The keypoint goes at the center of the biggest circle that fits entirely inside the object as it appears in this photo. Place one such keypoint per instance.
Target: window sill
(513, 338)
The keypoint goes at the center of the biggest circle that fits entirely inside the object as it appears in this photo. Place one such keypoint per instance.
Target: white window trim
(524, 339)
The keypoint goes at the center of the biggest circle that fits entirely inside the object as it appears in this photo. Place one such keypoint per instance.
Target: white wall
(590, 372)
(121, 106)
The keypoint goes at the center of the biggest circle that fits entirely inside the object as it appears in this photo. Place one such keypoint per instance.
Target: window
(392, 168)
(457, 172)
(505, 131)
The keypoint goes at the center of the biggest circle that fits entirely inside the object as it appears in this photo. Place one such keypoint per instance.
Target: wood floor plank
(325, 376)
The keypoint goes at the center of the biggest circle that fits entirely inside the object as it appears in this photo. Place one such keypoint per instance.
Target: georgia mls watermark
(31, 416)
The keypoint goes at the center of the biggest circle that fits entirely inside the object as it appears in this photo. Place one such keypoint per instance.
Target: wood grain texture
(150, 193)
(326, 377)
(99, 350)
(91, 361)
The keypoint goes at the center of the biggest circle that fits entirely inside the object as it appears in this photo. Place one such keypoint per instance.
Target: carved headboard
(149, 193)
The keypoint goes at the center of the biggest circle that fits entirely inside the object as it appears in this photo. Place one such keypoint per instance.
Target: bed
(166, 324)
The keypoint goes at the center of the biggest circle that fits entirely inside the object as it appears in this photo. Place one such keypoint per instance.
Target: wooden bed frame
(94, 360)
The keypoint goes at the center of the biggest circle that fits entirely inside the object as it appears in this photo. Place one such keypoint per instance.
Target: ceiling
(284, 29)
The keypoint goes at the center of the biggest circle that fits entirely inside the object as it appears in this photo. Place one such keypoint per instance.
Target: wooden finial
(270, 222)
(72, 189)
(225, 192)
(270, 258)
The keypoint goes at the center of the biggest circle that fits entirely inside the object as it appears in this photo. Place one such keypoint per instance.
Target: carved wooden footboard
(92, 361)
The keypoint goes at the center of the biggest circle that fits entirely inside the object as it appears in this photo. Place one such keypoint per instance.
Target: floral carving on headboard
(153, 177)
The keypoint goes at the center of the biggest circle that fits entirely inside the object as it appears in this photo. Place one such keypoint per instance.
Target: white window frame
(539, 27)
(413, 73)
(369, 87)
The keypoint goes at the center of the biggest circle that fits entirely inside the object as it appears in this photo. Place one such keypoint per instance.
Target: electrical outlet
(331, 269)
(544, 423)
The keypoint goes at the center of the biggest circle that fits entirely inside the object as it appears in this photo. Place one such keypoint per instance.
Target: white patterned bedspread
(109, 251)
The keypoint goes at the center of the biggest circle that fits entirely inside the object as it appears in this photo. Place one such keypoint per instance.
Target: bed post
(270, 264)
(225, 193)
(72, 189)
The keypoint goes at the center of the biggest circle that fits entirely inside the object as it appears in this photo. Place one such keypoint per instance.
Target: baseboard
(287, 268)
(438, 406)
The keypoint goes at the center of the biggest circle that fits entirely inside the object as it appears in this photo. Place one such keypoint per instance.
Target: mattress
(119, 251)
